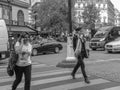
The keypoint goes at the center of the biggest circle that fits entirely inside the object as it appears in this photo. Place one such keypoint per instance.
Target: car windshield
(100, 34)
(117, 39)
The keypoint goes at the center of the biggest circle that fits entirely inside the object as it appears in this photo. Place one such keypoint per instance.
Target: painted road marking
(113, 88)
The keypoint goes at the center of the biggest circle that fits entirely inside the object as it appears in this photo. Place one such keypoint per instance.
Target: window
(20, 17)
(97, 5)
(101, 5)
(81, 6)
(5, 12)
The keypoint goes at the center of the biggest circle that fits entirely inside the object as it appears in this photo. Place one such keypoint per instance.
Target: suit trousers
(80, 63)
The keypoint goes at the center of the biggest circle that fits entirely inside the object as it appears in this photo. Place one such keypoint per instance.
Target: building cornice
(16, 3)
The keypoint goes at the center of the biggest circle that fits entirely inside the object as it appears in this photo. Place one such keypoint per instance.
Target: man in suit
(80, 58)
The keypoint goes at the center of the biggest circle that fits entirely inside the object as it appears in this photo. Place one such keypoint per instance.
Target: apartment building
(15, 13)
(107, 14)
(117, 17)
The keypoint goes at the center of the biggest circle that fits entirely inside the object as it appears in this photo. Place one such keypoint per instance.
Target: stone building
(107, 14)
(117, 17)
(15, 13)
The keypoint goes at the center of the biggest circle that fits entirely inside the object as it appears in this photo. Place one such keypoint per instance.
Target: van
(103, 36)
(3, 40)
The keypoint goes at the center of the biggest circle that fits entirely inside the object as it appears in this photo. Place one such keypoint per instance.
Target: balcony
(16, 23)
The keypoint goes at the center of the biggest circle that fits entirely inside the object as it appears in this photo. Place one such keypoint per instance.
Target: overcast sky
(116, 4)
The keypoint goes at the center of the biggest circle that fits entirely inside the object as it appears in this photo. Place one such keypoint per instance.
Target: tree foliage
(90, 17)
(90, 14)
(52, 14)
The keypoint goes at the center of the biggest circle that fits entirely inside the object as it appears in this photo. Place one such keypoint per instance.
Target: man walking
(79, 45)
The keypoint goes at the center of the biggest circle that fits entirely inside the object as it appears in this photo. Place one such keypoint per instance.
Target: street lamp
(70, 59)
(10, 11)
(70, 17)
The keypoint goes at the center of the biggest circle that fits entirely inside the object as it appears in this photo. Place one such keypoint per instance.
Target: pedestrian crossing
(61, 80)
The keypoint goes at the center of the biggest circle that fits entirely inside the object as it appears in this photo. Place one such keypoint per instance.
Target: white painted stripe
(39, 65)
(34, 65)
(103, 60)
(77, 85)
(35, 75)
(44, 81)
(113, 88)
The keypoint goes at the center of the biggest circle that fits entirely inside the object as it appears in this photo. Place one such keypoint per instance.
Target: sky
(116, 4)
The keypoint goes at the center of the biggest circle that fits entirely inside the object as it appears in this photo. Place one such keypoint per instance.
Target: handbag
(10, 70)
(12, 62)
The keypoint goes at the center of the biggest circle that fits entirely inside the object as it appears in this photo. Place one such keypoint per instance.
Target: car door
(48, 47)
(44, 47)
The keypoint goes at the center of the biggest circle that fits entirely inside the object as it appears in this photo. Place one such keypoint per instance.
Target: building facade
(105, 7)
(117, 17)
(15, 13)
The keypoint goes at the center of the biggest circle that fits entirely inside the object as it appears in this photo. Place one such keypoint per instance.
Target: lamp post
(10, 10)
(9, 2)
(70, 17)
(70, 60)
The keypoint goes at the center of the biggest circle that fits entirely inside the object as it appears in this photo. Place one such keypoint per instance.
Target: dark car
(46, 47)
(103, 36)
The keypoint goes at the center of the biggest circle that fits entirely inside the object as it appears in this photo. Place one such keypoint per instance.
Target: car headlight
(102, 39)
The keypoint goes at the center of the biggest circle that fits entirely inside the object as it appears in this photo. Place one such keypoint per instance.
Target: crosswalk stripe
(35, 75)
(44, 81)
(56, 76)
(77, 85)
(113, 88)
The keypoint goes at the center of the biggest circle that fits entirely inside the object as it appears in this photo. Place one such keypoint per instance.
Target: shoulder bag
(12, 62)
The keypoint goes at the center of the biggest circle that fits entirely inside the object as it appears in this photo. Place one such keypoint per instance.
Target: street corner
(108, 70)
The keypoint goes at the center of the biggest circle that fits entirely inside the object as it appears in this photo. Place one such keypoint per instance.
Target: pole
(70, 60)
(10, 10)
(69, 16)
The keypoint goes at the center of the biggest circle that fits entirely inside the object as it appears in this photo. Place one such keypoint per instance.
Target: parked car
(104, 35)
(46, 47)
(113, 46)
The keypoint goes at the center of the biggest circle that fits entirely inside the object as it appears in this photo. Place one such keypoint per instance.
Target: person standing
(23, 66)
(79, 43)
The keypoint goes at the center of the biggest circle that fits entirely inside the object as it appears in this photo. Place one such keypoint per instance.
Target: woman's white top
(24, 59)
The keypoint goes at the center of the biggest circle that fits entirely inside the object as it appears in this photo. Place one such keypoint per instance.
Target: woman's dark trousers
(80, 63)
(19, 71)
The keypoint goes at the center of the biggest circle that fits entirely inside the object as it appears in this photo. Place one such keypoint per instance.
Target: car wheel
(93, 49)
(109, 51)
(34, 52)
(57, 50)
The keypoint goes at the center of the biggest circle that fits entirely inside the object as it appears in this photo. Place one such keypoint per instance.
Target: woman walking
(23, 66)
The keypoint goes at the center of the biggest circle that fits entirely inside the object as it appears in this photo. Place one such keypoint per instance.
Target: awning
(21, 29)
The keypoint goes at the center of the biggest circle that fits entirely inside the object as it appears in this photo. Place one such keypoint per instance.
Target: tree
(52, 14)
(90, 16)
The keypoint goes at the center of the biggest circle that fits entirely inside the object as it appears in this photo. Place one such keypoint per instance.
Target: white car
(113, 46)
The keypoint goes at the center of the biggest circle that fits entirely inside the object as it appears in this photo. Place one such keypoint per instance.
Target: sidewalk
(107, 70)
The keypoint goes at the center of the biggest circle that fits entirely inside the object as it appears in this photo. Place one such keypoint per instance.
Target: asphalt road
(45, 76)
(53, 59)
